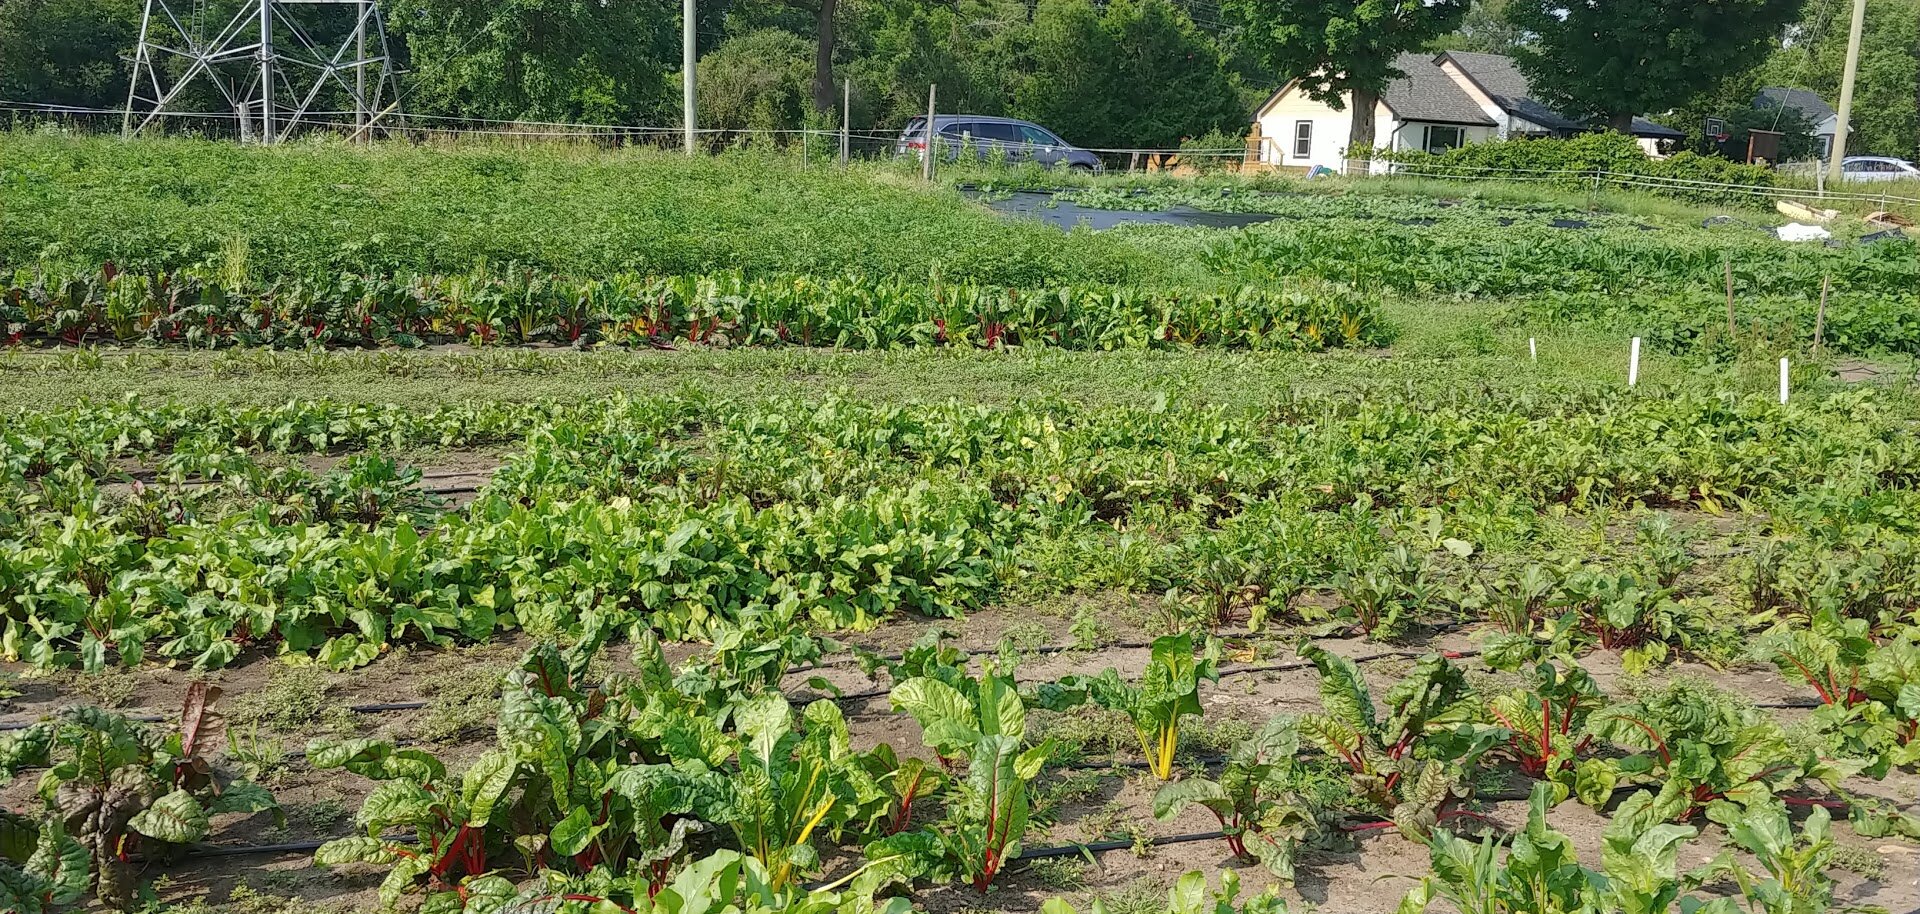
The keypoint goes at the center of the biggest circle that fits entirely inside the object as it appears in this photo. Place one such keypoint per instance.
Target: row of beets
(518, 305)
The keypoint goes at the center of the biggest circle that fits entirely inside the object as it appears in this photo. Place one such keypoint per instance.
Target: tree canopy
(1614, 59)
(1116, 73)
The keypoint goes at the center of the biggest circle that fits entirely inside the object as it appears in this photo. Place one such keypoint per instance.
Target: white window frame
(1459, 135)
(1300, 152)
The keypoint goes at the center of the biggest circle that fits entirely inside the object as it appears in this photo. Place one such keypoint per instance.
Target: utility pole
(266, 72)
(926, 168)
(689, 62)
(360, 68)
(1840, 128)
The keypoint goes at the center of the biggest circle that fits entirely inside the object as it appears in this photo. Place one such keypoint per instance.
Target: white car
(1877, 168)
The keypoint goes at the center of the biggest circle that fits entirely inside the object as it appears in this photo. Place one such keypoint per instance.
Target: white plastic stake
(1783, 380)
(1633, 363)
(1533, 351)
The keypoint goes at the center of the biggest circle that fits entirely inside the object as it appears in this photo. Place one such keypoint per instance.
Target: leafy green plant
(1795, 866)
(1540, 874)
(1412, 762)
(112, 788)
(790, 782)
(1378, 590)
(987, 813)
(1869, 691)
(1546, 722)
(558, 792)
(1262, 819)
(955, 716)
(1168, 691)
(1705, 749)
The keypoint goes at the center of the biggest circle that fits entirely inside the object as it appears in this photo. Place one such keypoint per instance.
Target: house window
(1302, 139)
(1441, 139)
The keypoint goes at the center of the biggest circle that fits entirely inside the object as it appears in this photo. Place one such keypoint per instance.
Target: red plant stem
(1807, 801)
(1370, 826)
(1661, 744)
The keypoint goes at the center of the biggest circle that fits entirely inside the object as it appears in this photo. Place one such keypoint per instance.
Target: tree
(552, 60)
(756, 81)
(1886, 93)
(1484, 30)
(67, 52)
(1138, 73)
(1342, 48)
(1614, 59)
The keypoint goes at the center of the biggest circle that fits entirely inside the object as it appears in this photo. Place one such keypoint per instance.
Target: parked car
(1021, 141)
(1877, 168)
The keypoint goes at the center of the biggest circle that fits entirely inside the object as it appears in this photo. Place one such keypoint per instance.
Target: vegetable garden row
(192, 534)
(516, 305)
(184, 533)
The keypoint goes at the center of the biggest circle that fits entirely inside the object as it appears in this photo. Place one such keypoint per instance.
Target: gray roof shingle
(1814, 108)
(1497, 75)
(1426, 94)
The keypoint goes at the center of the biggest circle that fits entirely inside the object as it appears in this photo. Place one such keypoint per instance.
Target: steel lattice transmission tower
(268, 61)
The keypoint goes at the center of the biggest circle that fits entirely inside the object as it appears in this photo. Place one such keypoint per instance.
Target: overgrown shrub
(1574, 162)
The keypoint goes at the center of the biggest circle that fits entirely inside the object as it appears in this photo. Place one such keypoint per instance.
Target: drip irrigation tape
(1101, 847)
(979, 652)
(393, 706)
(1234, 671)
(1439, 628)
(201, 851)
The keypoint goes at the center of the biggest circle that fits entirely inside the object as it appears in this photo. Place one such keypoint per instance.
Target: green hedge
(1577, 159)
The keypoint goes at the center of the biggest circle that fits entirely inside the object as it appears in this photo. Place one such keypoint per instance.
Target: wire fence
(870, 144)
(1607, 178)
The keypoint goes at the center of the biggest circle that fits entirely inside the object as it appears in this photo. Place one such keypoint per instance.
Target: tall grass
(326, 206)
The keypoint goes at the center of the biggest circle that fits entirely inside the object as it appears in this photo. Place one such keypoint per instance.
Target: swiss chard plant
(1412, 762)
(957, 712)
(1620, 612)
(1540, 873)
(904, 781)
(1794, 876)
(558, 792)
(792, 781)
(1702, 748)
(1168, 691)
(1262, 818)
(987, 814)
(113, 788)
(1546, 722)
(1869, 691)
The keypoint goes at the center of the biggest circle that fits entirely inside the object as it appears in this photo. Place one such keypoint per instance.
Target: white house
(1443, 101)
(1812, 107)
(1498, 87)
(1421, 110)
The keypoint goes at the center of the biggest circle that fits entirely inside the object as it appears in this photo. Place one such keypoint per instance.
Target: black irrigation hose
(376, 708)
(1101, 847)
(391, 706)
(1440, 628)
(974, 652)
(1241, 670)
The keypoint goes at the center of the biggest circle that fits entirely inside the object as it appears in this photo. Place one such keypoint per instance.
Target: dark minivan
(1021, 141)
